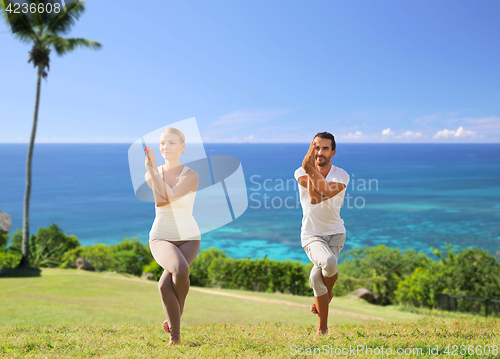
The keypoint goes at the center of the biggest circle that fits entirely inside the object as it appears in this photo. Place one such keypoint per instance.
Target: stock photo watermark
(363, 350)
(24, 15)
(268, 193)
(220, 195)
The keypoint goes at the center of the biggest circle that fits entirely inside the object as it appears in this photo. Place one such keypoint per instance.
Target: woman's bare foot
(174, 342)
(166, 327)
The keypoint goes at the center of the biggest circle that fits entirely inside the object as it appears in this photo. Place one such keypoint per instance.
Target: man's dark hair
(327, 135)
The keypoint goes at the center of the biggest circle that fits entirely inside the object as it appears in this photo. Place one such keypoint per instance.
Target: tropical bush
(470, 272)
(4, 239)
(262, 275)
(99, 255)
(346, 284)
(379, 269)
(129, 256)
(48, 246)
(9, 258)
(200, 269)
(407, 277)
(9, 255)
(16, 241)
(154, 268)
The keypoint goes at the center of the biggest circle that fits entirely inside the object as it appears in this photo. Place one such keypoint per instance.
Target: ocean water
(410, 196)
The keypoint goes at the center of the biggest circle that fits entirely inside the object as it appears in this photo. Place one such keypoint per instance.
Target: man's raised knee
(331, 267)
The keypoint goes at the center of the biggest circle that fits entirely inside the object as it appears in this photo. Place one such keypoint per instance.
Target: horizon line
(258, 143)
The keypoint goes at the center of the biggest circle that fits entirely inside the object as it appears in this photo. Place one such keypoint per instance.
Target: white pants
(323, 252)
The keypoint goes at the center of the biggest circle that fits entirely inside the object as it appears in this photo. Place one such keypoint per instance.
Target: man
(322, 189)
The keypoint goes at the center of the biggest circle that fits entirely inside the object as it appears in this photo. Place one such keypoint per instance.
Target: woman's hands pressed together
(150, 158)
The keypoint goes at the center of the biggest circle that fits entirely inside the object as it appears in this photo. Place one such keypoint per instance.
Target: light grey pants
(174, 257)
(323, 251)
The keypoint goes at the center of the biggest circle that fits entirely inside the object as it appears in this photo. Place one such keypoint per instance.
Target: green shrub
(345, 284)
(129, 256)
(199, 270)
(4, 239)
(259, 275)
(16, 241)
(48, 246)
(470, 272)
(379, 269)
(154, 268)
(10, 255)
(9, 258)
(99, 255)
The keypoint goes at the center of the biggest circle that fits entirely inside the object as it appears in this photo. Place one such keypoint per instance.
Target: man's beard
(326, 160)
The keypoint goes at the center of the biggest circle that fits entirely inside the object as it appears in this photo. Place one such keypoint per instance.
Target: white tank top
(175, 221)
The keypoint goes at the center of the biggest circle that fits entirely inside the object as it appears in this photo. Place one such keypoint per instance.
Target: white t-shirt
(322, 219)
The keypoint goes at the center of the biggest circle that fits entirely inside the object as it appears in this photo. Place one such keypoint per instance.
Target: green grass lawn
(70, 313)
(65, 296)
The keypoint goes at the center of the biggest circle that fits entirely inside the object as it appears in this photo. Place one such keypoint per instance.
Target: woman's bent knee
(181, 271)
(164, 287)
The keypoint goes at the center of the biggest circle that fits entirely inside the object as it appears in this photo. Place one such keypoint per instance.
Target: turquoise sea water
(401, 195)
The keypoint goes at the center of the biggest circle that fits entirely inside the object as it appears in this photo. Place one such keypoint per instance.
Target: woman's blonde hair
(175, 131)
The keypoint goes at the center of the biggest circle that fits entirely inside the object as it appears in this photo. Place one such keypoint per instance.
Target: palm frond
(65, 45)
(63, 23)
(22, 24)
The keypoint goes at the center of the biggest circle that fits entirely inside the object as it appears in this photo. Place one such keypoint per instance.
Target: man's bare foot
(166, 327)
(174, 342)
(322, 331)
(313, 307)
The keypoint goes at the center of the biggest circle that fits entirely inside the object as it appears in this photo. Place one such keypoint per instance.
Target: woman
(175, 237)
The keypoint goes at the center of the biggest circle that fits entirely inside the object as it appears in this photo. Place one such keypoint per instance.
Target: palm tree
(42, 31)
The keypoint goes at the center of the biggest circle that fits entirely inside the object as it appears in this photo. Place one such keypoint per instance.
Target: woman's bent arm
(156, 183)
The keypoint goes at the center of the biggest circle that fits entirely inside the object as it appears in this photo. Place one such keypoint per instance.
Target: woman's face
(171, 146)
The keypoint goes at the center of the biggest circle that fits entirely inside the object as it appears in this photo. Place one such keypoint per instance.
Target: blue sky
(266, 71)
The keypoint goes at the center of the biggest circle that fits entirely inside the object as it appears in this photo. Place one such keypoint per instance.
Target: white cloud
(387, 132)
(461, 132)
(357, 134)
(444, 133)
(458, 133)
(14, 140)
(411, 134)
(485, 124)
